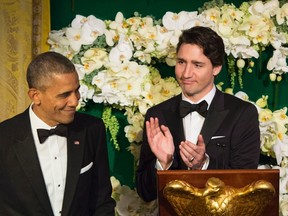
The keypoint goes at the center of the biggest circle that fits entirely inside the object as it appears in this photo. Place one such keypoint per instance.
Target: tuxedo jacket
(230, 131)
(22, 187)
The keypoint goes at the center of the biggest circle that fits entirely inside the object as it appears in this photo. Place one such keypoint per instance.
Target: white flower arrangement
(116, 62)
(129, 203)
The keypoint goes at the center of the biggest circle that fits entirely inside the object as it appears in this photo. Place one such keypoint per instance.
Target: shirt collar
(36, 122)
(208, 97)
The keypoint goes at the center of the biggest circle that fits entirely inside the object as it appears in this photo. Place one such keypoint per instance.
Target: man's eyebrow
(193, 61)
(198, 62)
(179, 58)
(69, 92)
(64, 93)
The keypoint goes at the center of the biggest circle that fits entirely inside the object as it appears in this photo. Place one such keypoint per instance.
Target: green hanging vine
(240, 80)
(231, 70)
(232, 65)
(240, 66)
(112, 125)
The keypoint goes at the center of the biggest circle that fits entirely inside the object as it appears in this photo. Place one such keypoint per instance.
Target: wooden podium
(236, 178)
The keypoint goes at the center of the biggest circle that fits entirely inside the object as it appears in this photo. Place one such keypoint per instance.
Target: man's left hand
(193, 155)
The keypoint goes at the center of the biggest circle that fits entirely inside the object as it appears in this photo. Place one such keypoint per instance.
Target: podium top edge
(224, 171)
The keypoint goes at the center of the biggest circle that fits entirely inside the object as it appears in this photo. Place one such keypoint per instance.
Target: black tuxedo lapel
(175, 125)
(174, 121)
(216, 115)
(75, 149)
(26, 153)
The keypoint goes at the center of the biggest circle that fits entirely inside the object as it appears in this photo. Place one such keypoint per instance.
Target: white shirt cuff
(159, 167)
(206, 163)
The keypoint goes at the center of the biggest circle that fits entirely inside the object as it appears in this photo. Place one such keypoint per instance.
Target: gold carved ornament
(218, 199)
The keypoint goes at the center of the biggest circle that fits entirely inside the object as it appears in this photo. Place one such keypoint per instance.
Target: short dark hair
(211, 43)
(44, 66)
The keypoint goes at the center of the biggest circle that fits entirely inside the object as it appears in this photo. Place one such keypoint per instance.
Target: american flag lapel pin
(76, 142)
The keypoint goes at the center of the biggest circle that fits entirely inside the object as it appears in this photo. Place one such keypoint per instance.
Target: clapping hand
(193, 155)
(160, 141)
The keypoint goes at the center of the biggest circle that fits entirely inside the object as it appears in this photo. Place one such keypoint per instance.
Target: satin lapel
(27, 155)
(215, 117)
(175, 124)
(174, 121)
(75, 149)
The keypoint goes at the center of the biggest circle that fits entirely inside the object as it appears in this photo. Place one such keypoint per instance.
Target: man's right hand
(160, 141)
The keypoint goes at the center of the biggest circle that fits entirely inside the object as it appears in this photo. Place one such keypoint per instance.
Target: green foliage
(211, 4)
(231, 70)
(240, 80)
(112, 125)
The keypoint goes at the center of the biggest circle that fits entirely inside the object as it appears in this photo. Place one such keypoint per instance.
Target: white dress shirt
(193, 124)
(52, 155)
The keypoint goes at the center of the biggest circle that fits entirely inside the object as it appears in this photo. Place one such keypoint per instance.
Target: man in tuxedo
(54, 160)
(202, 128)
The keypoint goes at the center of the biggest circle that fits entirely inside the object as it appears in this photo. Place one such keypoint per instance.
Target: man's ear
(34, 95)
(216, 70)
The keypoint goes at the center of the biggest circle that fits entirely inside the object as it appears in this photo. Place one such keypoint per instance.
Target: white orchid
(198, 21)
(133, 134)
(93, 26)
(240, 47)
(234, 12)
(163, 38)
(84, 31)
(59, 43)
(273, 128)
(176, 21)
(99, 80)
(121, 84)
(94, 59)
(123, 51)
(274, 141)
(243, 51)
(284, 205)
(242, 95)
(143, 57)
(281, 118)
(278, 62)
(282, 14)
(253, 26)
(264, 9)
(262, 102)
(85, 93)
(280, 148)
(213, 14)
(80, 71)
(277, 39)
(129, 203)
(76, 40)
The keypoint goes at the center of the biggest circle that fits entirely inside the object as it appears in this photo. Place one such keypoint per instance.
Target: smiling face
(194, 71)
(57, 102)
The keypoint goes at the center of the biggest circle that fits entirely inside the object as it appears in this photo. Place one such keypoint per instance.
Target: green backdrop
(256, 83)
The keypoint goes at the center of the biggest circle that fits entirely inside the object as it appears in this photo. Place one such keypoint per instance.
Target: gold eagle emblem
(217, 199)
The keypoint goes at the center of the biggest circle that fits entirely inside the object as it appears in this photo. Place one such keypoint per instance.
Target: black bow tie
(60, 130)
(186, 108)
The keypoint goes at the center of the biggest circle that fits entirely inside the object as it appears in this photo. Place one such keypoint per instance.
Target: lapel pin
(76, 142)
